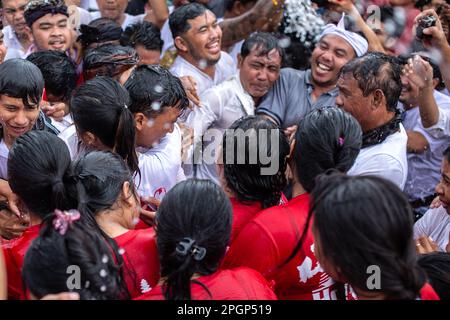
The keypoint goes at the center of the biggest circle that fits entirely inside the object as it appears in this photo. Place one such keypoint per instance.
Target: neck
(388, 116)
(8, 140)
(297, 189)
(110, 224)
(321, 88)
(120, 20)
(24, 40)
(210, 70)
(34, 220)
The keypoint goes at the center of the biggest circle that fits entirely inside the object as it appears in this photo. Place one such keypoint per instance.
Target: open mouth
(57, 44)
(213, 47)
(18, 130)
(323, 67)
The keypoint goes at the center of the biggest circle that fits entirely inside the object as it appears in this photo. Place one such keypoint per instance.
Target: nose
(262, 75)
(439, 190)
(327, 56)
(20, 119)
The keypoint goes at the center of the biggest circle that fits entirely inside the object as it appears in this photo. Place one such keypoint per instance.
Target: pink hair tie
(63, 219)
(341, 141)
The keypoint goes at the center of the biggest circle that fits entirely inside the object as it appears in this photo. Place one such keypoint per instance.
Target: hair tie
(341, 141)
(63, 219)
(126, 107)
(187, 246)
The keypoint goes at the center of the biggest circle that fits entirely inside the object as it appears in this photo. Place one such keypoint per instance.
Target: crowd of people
(236, 149)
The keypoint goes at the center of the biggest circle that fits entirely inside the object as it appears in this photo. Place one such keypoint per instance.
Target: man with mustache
(259, 67)
(297, 93)
(16, 35)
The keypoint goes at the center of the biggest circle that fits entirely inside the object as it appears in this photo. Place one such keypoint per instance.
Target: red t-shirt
(14, 252)
(236, 284)
(427, 293)
(269, 239)
(141, 260)
(242, 214)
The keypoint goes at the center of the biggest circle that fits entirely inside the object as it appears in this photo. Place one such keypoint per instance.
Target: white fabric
(12, 43)
(224, 69)
(221, 106)
(442, 127)
(129, 19)
(235, 50)
(62, 125)
(75, 145)
(435, 224)
(90, 5)
(358, 43)
(387, 159)
(4, 152)
(166, 36)
(424, 168)
(160, 166)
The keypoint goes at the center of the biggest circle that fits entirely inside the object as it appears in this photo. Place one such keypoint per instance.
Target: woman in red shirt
(249, 189)
(278, 241)
(192, 239)
(363, 231)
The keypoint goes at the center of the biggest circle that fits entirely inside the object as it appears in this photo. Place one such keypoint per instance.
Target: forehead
(272, 57)
(51, 18)
(336, 42)
(204, 19)
(14, 3)
(11, 101)
(347, 80)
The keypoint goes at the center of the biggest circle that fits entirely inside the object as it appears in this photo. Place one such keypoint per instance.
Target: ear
(89, 138)
(435, 82)
(378, 99)
(180, 44)
(139, 119)
(239, 57)
(238, 8)
(127, 194)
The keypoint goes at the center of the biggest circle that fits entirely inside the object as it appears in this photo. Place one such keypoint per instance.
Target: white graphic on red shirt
(145, 287)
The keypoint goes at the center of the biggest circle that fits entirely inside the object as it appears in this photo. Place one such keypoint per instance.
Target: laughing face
(202, 42)
(112, 9)
(443, 187)
(51, 32)
(329, 56)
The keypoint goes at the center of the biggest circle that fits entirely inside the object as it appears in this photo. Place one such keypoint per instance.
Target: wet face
(443, 187)
(112, 9)
(148, 56)
(51, 32)
(259, 72)
(352, 100)
(202, 42)
(16, 118)
(410, 94)
(13, 13)
(150, 131)
(329, 56)
(2, 48)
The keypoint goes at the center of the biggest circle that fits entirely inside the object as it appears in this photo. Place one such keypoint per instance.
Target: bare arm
(3, 286)
(160, 12)
(417, 143)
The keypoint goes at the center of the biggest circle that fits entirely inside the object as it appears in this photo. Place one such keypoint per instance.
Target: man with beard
(17, 36)
(297, 93)
(197, 38)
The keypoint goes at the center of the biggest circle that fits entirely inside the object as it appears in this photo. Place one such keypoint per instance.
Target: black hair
(98, 31)
(364, 221)
(151, 85)
(100, 106)
(403, 59)
(41, 160)
(58, 70)
(143, 33)
(374, 71)
(446, 154)
(327, 138)
(53, 262)
(262, 43)
(21, 79)
(178, 19)
(437, 268)
(242, 145)
(191, 238)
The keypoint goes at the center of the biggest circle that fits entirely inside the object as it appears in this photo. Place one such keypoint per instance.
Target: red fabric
(14, 252)
(236, 284)
(427, 293)
(141, 258)
(242, 214)
(80, 79)
(268, 240)
(142, 225)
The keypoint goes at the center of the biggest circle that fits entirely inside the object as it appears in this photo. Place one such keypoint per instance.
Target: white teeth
(323, 67)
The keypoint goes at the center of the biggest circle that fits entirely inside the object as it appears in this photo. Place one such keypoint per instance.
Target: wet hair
(243, 164)
(437, 268)
(53, 261)
(262, 43)
(41, 160)
(98, 31)
(374, 71)
(145, 34)
(191, 238)
(178, 19)
(327, 138)
(151, 85)
(365, 221)
(23, 80)
(58, 70)
(100, 106)
(108, 60)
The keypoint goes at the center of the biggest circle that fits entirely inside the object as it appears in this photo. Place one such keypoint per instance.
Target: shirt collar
(309, 84)
(190, 65)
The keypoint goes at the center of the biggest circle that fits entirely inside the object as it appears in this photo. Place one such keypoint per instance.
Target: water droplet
(103, 288)
(203, 64)
(166, 125)
(135, 221)
(156, 105)
(284, 43)
(87, 284)
(158, 88)
(105, 258)
(121, 251)
(150, 122)
(103, 273)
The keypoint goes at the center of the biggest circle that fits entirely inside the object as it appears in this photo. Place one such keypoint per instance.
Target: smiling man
(197, 37)
(297, 93)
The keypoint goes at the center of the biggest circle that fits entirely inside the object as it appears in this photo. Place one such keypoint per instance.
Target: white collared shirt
(224, 69)
(129, 19)
(4, 153)
(386, 160)
(435, 224)
(424, 168)
(11, 42)
(221, 106)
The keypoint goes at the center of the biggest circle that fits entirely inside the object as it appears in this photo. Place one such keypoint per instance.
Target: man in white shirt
(17, 36)
(435, 224)
(369, 88)
(197, 37)
(259, 67)
(424, 150)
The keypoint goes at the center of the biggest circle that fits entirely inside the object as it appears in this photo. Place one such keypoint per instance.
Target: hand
(146, 215)
(290, 132)
(417, 143)
(12, 226)
(346, 6)
(190, 86)
(436, 203)
(438, 39)
(57, 110)
(62, 296)
(187, 140)
(426, 245)
(419, 73)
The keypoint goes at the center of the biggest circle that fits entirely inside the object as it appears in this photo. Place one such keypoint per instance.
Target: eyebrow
(206, 25)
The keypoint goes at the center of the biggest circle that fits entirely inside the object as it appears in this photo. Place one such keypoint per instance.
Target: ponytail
(125, 140)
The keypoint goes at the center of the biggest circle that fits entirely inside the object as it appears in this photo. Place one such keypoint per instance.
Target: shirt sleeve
(442, 127)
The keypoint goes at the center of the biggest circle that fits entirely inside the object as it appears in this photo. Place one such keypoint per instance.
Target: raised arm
(160, 12)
